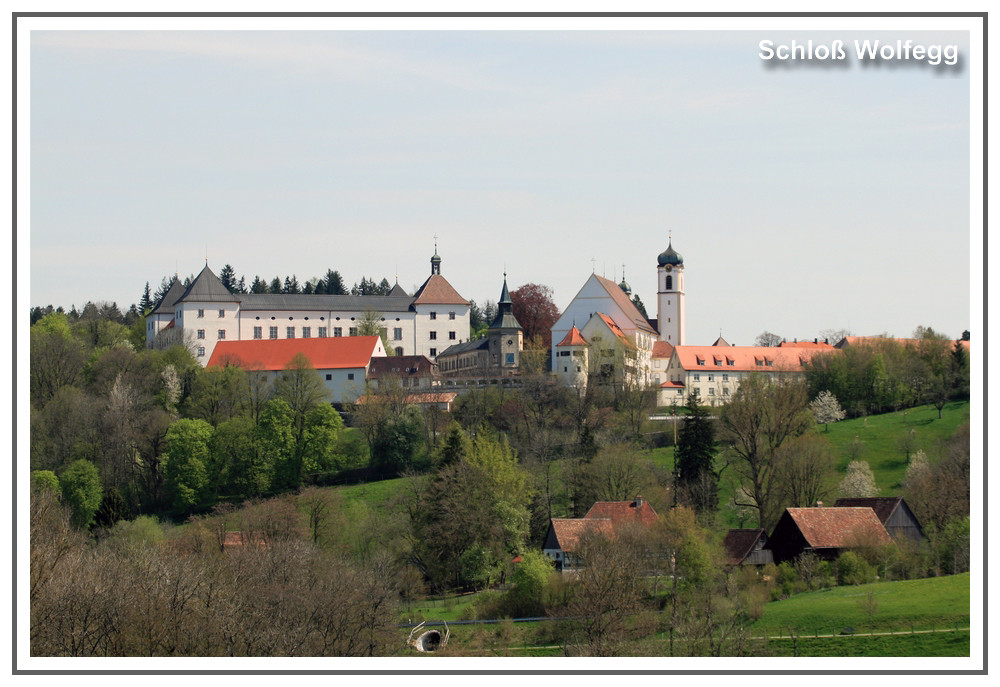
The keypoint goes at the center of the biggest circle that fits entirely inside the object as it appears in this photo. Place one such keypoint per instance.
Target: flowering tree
(827, 409)
(859, 481)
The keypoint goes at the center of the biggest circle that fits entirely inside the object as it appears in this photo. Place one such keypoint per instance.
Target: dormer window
(701, 361)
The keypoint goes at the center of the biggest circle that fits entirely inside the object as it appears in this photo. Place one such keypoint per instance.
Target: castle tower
(670, 296)
(505, 334)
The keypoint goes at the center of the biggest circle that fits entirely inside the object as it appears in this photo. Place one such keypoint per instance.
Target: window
(329, 376)
(222, 313)
(451, 316)
(434, 336)
(451, 336)
(725, 377)
(711, 378)
(201, 333)
(434, 352)
(338, 331)
(272, 333)
(350, 375)
(711, 392)
(222, 334)
(716, 361)
(697, 377)
(730, 362)
(201, 351)
(306, 332)
(322, 332)
(670, 283)
(352, 331)
(701, 361)
(399, 350)
(725, 392)
(397, 334)
(258, 332)
(434, 315)
(289, 332)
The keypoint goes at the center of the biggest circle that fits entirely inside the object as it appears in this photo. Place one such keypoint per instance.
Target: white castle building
(206, 312)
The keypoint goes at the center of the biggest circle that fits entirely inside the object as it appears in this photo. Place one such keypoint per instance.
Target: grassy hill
(881, 438)
(931, 617)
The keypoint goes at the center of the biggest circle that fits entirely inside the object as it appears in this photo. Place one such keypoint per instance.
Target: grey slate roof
(173, 294)
(465, 347)
(398, 291)
(316, 301)
(207, 288)
(505, 315)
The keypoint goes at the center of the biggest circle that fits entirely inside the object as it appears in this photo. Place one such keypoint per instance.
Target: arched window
(670, 282)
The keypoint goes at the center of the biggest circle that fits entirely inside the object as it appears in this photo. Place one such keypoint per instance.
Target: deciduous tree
(536, 312)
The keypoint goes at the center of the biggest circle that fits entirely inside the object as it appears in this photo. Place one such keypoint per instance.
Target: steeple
(435, 259)
(505, 310)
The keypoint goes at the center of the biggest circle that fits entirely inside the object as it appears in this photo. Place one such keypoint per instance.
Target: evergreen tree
(146, 301)
(227, 275)
(333, 284)
(242, 285)
(637, 302)
(291, 285)
(276, 285)
(258, 285)
(384, 287)
(694, 458)
(161, 291)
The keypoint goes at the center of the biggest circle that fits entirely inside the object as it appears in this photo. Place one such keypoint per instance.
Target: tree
(371, 324)
(81, 492)
(859, 482)
(396, 441)
(826, 409)
(526, 596)
(637, 302)
(146, 300)
(188, 454)
(332, 284)
(694, 459)
(227, 275)
(476, 508)
(761, 416)
(803, 469)
(767, 338)
(301, 387)
(607, 591)
(536, 312)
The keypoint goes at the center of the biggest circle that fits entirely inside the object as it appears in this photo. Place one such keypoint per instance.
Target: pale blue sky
(802, 199)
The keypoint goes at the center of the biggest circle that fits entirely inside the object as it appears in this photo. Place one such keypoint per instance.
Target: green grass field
(902, 606)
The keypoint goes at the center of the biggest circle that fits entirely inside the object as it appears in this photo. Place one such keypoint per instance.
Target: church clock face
(510, 342)
(670, 268)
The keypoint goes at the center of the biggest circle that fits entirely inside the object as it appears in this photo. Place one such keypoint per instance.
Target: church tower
(670, 296)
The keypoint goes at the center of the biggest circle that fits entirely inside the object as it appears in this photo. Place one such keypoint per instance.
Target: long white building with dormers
(204, 313)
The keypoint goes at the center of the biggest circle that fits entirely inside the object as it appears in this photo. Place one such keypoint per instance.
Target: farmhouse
(564, 536)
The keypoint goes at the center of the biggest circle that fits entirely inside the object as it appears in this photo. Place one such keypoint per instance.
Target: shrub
(853, 569)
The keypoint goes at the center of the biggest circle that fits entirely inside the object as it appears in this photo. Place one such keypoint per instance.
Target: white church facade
(603, 336)
(205, 313)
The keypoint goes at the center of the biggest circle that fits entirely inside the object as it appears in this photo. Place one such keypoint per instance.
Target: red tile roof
(437, 290)
(620, 512)
(743, 358)
(662, 349)
(275, 354)
(615, 329)
(569, 531)
(672, 385)
(806, 344)
(838, 527)
(573, 338)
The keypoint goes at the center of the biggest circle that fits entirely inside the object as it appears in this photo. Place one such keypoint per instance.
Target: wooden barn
(825, 531)
(892, 512)
(747, 547)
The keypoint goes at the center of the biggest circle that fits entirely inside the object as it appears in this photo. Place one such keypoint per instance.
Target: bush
(853, 569)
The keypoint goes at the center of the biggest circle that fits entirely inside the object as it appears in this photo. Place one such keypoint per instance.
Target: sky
(804, 197)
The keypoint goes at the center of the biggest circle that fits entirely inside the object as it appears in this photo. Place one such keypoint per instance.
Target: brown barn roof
(835, 528)
(569, 531)
(882, 505)
(620, 512)
(738, 544)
